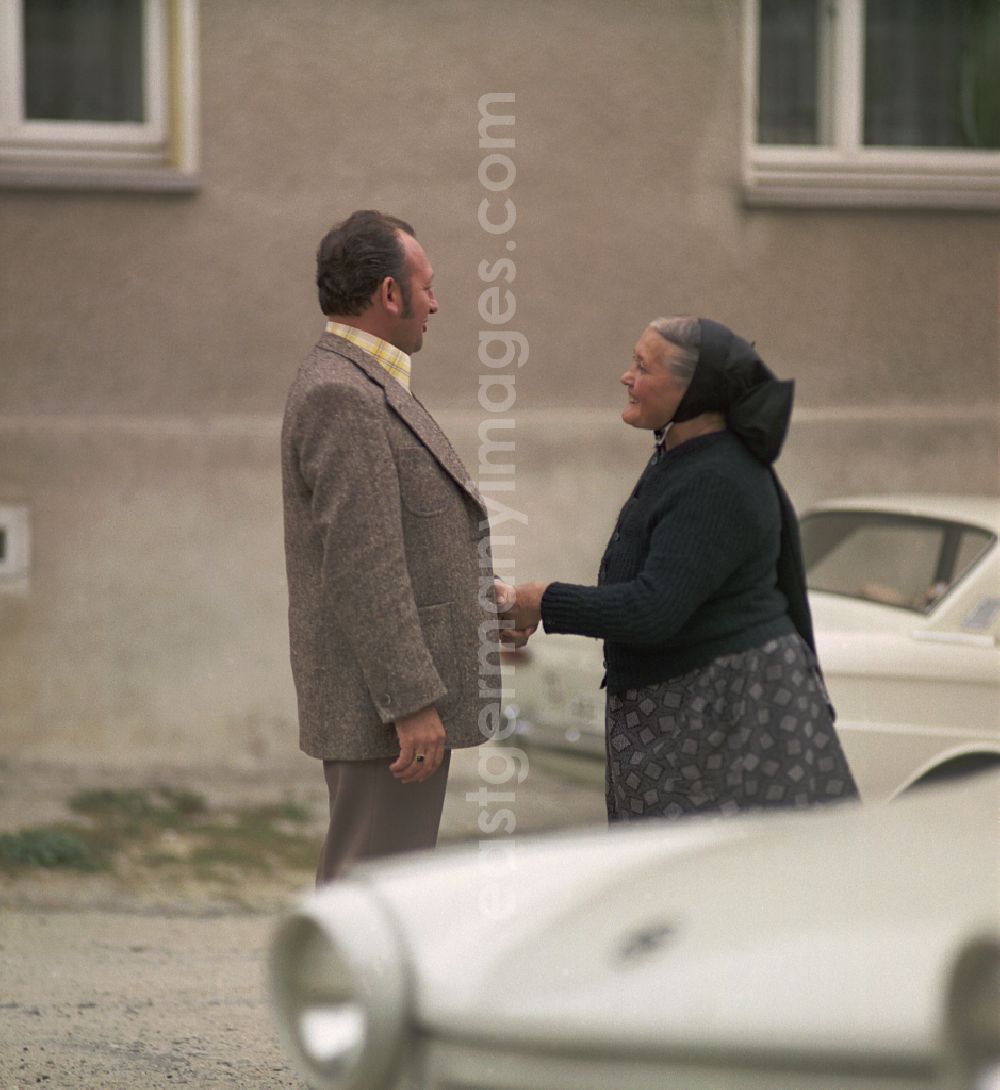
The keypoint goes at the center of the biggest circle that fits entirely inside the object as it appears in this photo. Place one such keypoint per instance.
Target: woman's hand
(522, 604)
(511, 634)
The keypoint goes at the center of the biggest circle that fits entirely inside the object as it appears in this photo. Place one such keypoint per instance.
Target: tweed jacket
(390, 580)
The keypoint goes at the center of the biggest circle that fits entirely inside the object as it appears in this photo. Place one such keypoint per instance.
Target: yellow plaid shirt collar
(388, 356)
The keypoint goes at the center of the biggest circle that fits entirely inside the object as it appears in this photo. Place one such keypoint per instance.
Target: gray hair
(685, 335)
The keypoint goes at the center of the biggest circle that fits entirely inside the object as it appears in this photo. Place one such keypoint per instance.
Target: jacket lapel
(409, 410)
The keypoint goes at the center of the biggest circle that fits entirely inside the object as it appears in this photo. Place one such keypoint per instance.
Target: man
(387, 549)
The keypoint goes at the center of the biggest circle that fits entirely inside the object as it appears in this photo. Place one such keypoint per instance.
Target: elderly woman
(715, 702)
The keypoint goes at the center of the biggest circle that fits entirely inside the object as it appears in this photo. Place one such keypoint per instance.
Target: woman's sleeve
(696, 545)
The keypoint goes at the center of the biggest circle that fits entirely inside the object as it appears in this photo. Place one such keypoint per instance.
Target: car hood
(832, 930)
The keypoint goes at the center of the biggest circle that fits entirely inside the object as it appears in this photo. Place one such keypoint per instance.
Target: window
(98, 94)
(894, 560)
(972, 545)
(872, 102)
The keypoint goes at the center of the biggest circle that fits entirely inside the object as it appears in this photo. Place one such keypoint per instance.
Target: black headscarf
(731, 378)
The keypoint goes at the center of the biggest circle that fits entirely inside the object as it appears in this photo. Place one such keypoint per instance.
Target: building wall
(146, 341)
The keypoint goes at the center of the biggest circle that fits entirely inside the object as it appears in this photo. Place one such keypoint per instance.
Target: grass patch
(260, 838)
(171, 831)
(49, 848)
(163, 806)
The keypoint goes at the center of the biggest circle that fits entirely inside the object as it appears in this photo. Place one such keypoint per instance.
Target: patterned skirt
(752, 730)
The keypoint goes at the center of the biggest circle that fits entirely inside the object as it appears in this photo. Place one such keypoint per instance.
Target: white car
(853, 947)
(905, 594)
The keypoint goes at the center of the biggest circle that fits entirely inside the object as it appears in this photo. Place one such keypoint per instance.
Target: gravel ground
(129, 979)
(98, 999)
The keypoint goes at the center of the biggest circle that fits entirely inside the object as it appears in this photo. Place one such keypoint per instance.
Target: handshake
(520, 611)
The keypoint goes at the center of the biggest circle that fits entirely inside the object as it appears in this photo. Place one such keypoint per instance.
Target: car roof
(980, 510)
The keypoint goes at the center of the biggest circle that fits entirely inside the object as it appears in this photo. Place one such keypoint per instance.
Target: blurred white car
(905, 594)
(855, 947)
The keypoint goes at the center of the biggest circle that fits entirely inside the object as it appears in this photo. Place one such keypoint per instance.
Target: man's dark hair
(356, 256)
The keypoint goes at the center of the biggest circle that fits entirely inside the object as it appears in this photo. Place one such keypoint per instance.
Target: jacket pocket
(424, 487)
(439, 635)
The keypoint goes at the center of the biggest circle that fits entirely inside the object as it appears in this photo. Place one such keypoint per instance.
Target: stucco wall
(146, 341)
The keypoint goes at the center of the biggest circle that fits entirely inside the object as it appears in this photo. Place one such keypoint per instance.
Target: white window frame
(159, 153)
(843, 172)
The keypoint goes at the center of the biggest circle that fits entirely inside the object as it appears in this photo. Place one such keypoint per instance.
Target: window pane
(883, 559)
(972, 546)
(83, 60)
(932, 73)
(788, 76)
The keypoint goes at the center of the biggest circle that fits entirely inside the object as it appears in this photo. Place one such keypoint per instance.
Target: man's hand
(514, 639)
(504, 594)
(420, 734)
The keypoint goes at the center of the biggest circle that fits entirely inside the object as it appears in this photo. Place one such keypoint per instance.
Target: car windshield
(896, 560)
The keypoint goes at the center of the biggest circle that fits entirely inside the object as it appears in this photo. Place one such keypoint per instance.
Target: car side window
(887, 559)
(971, 546)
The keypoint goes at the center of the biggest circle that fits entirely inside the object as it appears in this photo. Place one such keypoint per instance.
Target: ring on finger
(419, 758)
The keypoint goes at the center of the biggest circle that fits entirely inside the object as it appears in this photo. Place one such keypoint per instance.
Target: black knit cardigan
(703, 561)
